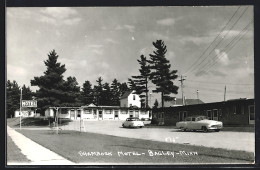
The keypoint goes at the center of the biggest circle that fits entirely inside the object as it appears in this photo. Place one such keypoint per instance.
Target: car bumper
(213, 127)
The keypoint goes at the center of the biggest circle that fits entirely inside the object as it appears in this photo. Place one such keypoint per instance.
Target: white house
(129, 99)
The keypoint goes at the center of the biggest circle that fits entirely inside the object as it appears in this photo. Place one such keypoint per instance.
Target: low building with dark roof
(238, 112)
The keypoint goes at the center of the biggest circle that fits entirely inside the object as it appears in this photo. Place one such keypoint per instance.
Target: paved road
(228, 140)
(35, 153)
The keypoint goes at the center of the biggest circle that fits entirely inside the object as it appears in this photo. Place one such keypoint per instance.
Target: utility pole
(181, 80)
(198, 96)
(21, 109)
(225, 94)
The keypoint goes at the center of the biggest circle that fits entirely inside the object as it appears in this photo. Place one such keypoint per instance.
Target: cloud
(15, 70)
(59, 12)
(72, 21)
(98, 51)
(95, 46)
(218, 73)
(130, 28)
(166, 22)
(222, 57)
(46, 19)
(171, 54)
(109, 40)
(159, 36)
(196, 40)
(59, 16)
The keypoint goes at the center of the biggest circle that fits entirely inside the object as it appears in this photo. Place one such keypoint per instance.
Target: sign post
(21, 108)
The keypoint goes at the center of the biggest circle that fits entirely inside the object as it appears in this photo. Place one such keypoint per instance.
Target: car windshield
(201, 118)
(132, 119)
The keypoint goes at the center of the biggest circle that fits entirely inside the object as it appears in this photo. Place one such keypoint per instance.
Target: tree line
(54, 90)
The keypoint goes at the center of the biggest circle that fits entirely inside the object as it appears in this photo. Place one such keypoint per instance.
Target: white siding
(122, 116)
(132, 102)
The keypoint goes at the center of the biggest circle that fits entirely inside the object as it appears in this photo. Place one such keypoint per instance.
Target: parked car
(199, 123)
(133, 122)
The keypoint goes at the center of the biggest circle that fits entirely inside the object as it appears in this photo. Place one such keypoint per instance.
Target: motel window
(184, 114)
(215, 113)
(87, 112)
(133, 97)
(63, 111)
(123, 112)
(95, 112)
(234, 109)
(220, 112)
(108, 112)
(242, 109)
(143, 113)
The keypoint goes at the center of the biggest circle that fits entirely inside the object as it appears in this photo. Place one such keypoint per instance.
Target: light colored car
(133, 122)
(199, 123)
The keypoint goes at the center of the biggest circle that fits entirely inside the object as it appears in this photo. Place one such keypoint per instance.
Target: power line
(213, 41)
(219, 41)
(232, 43)
(220, 83)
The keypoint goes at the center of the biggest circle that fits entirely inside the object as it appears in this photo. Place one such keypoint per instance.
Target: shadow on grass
(40, 122)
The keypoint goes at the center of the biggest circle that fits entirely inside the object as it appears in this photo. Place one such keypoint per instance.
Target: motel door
(215, 114)
(72, 114)
(182, 115)
(116, 114)
(209, 114)
(136, 113)
(251, 114)
(100, 115)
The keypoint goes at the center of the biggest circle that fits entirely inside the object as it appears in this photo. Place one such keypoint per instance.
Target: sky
(211, 47)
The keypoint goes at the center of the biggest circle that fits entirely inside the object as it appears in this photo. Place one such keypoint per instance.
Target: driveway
(244, 141)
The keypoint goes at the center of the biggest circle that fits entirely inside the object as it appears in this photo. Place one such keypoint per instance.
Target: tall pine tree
(87, 93)
(27, 93)
(141, 81)
(71, 92)
(123, 88)
(115, 90)
(51, 91)
(161, 74)
(97, 91)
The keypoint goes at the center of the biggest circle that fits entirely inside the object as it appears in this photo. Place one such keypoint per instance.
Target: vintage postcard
(130, 85)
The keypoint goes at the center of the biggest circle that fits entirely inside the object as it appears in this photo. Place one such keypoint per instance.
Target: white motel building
(130, 106)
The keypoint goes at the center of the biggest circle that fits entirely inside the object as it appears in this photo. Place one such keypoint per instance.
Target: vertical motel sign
(29, 103)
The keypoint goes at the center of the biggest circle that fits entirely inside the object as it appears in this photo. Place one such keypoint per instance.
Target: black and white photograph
(130, 85)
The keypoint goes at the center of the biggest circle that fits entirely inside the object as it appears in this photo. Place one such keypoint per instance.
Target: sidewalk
(37, 154)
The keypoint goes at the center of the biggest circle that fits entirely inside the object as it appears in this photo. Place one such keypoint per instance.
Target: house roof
(126, 94)
(179, 102)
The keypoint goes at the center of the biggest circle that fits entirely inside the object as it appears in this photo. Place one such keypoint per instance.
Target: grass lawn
(77, 147)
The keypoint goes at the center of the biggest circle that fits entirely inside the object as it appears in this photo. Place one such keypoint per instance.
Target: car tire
(217, 130)
(204, 129)
(183, 129)
(123, 125)
(141, 126)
